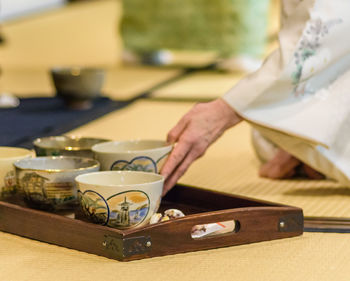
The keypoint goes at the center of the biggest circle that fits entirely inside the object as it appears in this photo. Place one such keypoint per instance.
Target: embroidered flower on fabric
(308, 46)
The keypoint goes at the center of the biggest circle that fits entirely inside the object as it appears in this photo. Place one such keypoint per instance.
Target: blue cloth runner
(39, 117)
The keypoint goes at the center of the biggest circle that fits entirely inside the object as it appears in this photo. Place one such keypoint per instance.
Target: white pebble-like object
(174, 213)
(155, 218)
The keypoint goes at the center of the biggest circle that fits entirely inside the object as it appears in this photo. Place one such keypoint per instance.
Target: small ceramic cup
(8, 155)
(120, 199)
(78, 86)
(48, 182)
(66, 146)
(132, 155)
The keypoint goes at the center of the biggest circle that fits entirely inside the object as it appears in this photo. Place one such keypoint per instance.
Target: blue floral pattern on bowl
(141, 163)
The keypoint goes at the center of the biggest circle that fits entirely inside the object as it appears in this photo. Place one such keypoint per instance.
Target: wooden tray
(255, 221)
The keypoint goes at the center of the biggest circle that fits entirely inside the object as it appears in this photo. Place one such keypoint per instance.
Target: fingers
(311, 173)
(198, 129)
(169, 184)
(284, 165)
(175, 133)
(281, 166)
(290, 174)
(179, 152)
(181, 169)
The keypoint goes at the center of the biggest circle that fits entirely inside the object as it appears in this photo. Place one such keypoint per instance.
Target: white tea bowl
(120, 199)
(132, 155)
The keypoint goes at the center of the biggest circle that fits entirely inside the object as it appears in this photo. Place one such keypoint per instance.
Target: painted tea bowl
(8, 155)
(132, 155)
(120, 199)
(78, 86)
(66, 146)
(48, 182)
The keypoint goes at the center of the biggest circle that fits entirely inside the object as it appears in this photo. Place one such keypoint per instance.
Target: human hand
(193, 134)
(284, 165)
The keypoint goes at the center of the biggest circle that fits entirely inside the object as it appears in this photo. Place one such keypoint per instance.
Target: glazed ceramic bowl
(120, 199)
(48, 182)
(66, 146)
(78, 86)
(8, 155)
(134, 155)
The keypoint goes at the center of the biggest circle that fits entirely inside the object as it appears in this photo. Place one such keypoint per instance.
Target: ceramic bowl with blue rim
(132, 155)
(48, 182)
(120, 199)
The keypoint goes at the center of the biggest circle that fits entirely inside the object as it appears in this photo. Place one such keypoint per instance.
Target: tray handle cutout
(208, 230)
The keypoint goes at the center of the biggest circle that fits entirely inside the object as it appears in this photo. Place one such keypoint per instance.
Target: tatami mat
(128, 82)
(312, 257)
(193, 59)
(198, 86)
(121, 83)
(229, 165)
(27, 83)
(77, 34)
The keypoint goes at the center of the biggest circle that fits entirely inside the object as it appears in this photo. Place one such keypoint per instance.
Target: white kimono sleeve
(300, 97)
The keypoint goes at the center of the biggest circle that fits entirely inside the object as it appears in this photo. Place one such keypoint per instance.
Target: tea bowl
(120, 199)
(78, 86)
(66, 146)
(134, 155)
(8, 155)
(48, 182)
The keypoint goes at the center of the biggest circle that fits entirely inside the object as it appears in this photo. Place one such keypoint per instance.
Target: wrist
(229, 114)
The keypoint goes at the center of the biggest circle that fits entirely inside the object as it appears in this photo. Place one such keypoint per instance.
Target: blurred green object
(230, 27)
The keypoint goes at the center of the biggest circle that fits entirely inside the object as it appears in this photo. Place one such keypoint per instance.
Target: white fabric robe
(300, 98)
